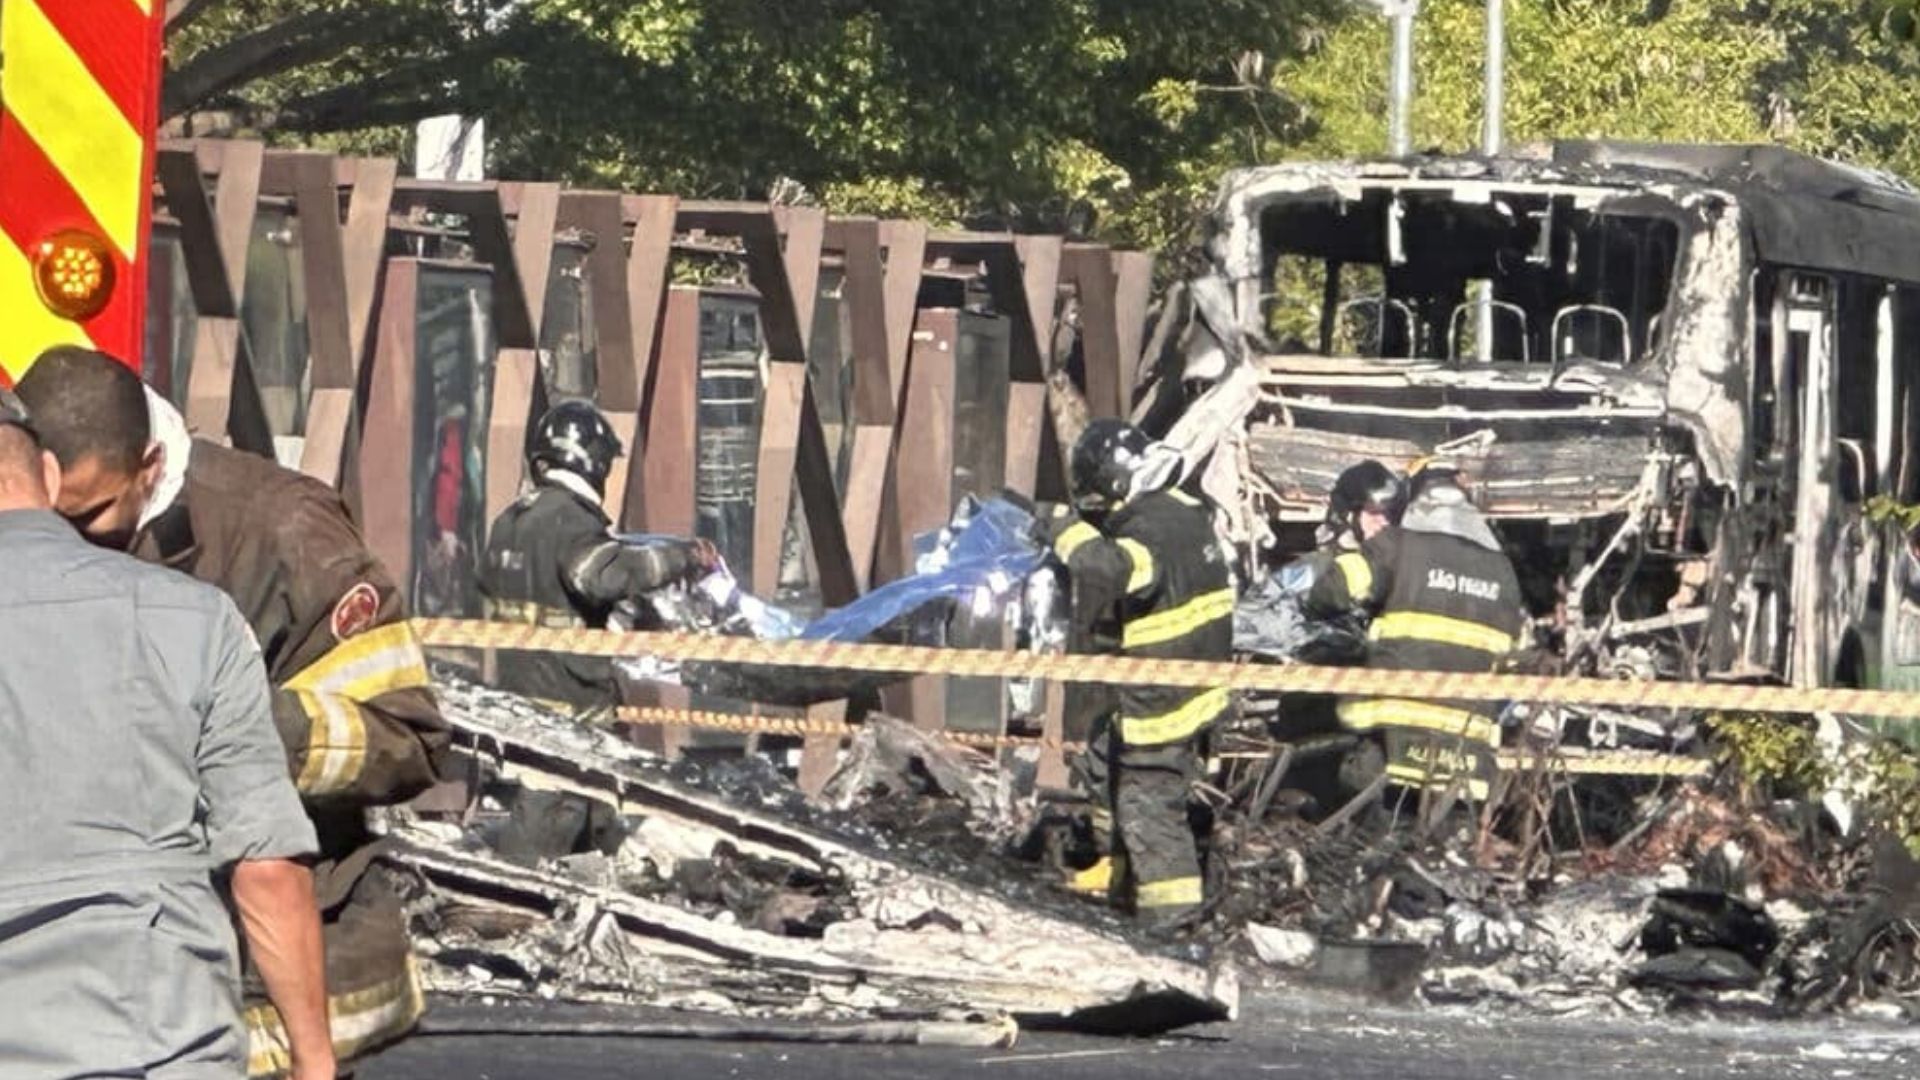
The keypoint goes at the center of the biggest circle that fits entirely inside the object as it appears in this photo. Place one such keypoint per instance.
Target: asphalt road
(1278, 1036)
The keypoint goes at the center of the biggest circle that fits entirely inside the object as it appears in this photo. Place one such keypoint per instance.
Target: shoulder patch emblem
(355, 612)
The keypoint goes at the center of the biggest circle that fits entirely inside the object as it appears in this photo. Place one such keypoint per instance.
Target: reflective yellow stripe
(1182, 723)
(1164, 626)
(1368, 714)
(1073, 539)
(359, 1019)
(516, 611)
(1416, 776)
(1437, 767)
(532, 614)
(74, 121)
(1142, 577)
(1173, 892)
(1443, 629)
(336, 744)
(1182, 497)
(380, 661)
(1358, 573)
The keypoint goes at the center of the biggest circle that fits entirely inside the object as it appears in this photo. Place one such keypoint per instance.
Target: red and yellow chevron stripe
(79, 94)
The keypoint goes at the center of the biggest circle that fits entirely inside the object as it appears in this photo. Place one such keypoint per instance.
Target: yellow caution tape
(801, 727)
(1570, 761)
(1576, 762)
(1138, 671)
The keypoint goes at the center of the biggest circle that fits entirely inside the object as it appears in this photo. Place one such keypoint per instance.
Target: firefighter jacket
(351, 700)
(552, 560)
(1444, 597)
(1157, 571)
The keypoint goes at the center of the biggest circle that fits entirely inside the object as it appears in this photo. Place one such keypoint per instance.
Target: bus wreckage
(1672, 377)
(1673, 374)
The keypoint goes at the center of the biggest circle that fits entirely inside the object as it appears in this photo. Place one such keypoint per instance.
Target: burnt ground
(1301, 1036)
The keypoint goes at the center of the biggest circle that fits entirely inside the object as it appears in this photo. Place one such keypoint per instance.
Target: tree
(1109, 116)
(1832, 77)
(1575, 69)
(1024, 112)
(1847, 81)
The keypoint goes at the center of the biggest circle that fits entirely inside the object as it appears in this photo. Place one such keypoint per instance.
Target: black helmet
(574, 436)
(1366, 486)
(1104, 461)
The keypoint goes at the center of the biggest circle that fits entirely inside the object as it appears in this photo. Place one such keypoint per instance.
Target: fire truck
(79, 94)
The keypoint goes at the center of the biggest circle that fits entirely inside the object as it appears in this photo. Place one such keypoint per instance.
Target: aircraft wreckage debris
(920, 888)
(651, 890)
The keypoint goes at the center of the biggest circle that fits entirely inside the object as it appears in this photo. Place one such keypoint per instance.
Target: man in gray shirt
(140, 762)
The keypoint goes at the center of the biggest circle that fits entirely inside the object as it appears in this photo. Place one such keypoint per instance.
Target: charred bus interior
(1514, 329)
(1679, 386)
(1397, 275)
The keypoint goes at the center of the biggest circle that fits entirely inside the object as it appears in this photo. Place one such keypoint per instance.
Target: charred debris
(1621, 407)
(921, 891)
(568, 865)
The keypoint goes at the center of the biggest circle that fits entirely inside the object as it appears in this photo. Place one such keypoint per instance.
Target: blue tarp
(978, 564)
(993, 549)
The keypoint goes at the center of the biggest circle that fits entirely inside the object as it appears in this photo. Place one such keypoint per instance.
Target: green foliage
(1847, 82)
(1883, 780)
(1113, 115)
(1777, 758)
(899, 197)
(1892, 775)
(1895, 20)
(1020, 113)
(1832, 77)
(1770, 754)
(1575, 69)
(1883, 508)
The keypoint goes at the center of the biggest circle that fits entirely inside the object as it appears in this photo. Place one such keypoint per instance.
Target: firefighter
(1144, 561)
(553, 560)
(351, 699)
(1365, 499)
(1443, 596)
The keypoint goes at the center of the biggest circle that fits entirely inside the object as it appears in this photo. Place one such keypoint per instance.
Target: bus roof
(1802, 210)
(1806, 211)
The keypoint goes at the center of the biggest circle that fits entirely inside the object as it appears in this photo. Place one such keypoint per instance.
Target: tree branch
(395, 97)
(183, 13)
(349, 108)
(291, 43)
(369, 113)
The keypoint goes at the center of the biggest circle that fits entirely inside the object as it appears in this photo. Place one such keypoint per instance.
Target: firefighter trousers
(1147, 790)
(1430, 747)
(374, 995)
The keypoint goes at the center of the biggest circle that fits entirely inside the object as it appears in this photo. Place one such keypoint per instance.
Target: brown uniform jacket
(351, 699)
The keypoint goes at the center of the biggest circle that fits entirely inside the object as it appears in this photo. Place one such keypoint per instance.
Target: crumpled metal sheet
(889, 756)
(590, 927)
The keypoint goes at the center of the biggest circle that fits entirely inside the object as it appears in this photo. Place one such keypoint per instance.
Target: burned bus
(1680, 378)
